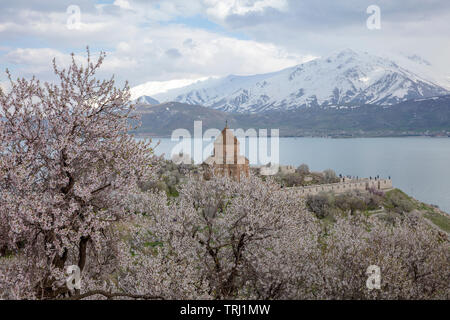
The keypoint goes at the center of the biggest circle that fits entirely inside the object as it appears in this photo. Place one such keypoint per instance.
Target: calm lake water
(419, 166)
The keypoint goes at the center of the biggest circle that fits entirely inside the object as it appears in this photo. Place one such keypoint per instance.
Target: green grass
(439, 219)
(397, 197)
(153, 244)
(368, 213)
(328, 220)
(398, 201)
(8, 256)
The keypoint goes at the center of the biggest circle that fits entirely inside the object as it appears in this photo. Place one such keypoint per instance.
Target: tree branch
(111, 295)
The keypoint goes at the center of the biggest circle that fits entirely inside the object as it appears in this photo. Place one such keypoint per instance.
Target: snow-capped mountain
(146, 100)
(345, 77)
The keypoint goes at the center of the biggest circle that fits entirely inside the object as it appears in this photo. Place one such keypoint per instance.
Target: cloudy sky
(172, 42)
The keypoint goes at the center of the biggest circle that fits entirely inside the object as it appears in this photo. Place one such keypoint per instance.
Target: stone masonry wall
(342, 187)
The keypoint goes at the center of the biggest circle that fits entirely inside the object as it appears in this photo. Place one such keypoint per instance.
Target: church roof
(225, 146)
(226, 133)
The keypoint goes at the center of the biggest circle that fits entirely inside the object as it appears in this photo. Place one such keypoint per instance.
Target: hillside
(414, 117)
(161, 120)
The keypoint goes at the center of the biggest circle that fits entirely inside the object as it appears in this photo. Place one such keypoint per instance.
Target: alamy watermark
(74, 18)
(374, 279)
(227, 152)
(73, 281)
(374, 20)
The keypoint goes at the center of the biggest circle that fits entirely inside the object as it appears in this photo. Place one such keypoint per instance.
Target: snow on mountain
(345, 77)
(146, 100)
(421, 67)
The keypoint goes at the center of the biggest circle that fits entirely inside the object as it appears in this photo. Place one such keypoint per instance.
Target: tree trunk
(82, 253)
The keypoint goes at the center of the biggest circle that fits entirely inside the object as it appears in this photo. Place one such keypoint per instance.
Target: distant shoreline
(146, 136)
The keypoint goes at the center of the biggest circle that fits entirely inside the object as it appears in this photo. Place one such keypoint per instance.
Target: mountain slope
(163, 119)
(146, 100)
(420, 116)
(343, 78)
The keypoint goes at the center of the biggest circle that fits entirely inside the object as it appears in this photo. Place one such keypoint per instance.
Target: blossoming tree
(221, 239)
(67, 163)
(69, 195)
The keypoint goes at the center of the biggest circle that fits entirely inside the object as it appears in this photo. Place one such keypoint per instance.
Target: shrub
(303, 169)
(321, 204)
(330, 176)
(398, 201)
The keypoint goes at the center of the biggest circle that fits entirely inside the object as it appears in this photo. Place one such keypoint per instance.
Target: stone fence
(342, 187)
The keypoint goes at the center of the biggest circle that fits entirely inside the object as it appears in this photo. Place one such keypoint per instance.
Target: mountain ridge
(429, 116)
(146, 100)
(345, 77)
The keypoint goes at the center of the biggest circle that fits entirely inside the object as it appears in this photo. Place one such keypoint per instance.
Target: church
(226, 158)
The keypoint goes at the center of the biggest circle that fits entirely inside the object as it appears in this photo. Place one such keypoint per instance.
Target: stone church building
(226, 158)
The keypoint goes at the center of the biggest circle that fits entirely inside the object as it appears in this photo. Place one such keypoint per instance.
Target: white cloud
(150, 40)
(154, 87)
(5, 86)
(39, 60)
(223, 8)
(123, 47)
(155, 53)
(124, 4)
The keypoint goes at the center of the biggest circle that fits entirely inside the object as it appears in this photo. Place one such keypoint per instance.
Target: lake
(419, 166)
